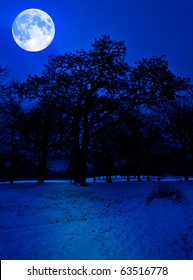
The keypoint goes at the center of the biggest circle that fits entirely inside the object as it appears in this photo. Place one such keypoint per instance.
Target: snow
(59, 221)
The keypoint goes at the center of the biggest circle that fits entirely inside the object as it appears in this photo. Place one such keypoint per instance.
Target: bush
(166, 192)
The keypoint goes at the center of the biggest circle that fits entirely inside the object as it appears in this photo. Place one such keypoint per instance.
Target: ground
(59, 221)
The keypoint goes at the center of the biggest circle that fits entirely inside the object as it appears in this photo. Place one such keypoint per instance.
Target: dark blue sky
(149, 27)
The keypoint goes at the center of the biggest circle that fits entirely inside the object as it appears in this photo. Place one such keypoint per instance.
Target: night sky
(149, 27)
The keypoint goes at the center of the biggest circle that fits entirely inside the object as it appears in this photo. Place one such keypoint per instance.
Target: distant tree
(151, 82)
(40, 128)
(176, 120)
(10, 107)
(150, 85)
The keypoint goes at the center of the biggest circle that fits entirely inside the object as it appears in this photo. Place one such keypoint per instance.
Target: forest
(100, 116)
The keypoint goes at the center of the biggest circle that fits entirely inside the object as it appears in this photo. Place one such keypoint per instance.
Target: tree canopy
(91, 106)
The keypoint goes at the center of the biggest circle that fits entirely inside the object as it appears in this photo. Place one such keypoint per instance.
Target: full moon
(33, 30)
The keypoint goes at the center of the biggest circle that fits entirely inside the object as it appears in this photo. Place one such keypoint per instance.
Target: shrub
(166, 192)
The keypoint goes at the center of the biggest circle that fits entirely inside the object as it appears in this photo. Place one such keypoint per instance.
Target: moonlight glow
(33, 30)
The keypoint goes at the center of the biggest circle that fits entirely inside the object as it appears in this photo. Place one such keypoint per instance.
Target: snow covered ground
(103, 221)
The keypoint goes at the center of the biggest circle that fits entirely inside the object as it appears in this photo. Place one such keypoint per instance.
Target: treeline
(100, 115)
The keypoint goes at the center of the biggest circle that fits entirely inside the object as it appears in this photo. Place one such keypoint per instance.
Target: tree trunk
(185, 162)
(94, 172)
(80, 168)
(148, 177)
(109, 170)
(148, 169)
(127, 170)
(186, 175)
(12, 159)
(11, 180)
(110, 179)
(81, 150)
(42, 168)
(138, 167)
